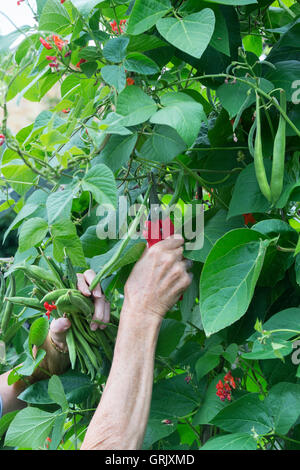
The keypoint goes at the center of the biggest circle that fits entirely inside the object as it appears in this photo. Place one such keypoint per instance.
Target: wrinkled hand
(159, 278)
(57, 359)
(102, 306)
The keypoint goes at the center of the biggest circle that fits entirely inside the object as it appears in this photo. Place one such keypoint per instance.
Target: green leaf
(206, 363)
(284, 402)
(245, 415)
(182, 113)
(100, 181)
(32, 232)
(163, 145)
(250, 200)
(173, 398)
(30, 428)
(145, 14)
(65, 238)
(235, 441)
(115, 49)
(118, 150)
(156, 430)
(38, 332)
(76, 386)
(54, 17)
(86, 6)
(30, 363)
(5, 421)
(115, 76)
(215, 228)
(135, 106)
(229, 276)
(59, 205)
(169, 336)
(233, 2)
(57, 393)
(211, 404)
(190, 34)
(140, 63)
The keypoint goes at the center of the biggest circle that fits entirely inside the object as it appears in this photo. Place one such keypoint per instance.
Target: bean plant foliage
(163, 90)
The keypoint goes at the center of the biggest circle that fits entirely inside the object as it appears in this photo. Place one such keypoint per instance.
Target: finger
(173, 242)
(82, 285)
(188, 264)
(58, 330)
(98, 314)
(89, 276)
(106, 317)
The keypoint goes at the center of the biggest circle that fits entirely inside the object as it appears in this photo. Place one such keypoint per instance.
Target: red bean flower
(224, 389)
(2, 139)
(49, 309)
(45, 43)
(130, 81)
(249, 219)
(82, 61)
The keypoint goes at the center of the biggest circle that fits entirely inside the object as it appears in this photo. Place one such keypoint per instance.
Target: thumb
(58, 330)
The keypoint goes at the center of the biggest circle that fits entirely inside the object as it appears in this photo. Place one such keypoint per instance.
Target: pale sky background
(20, 14)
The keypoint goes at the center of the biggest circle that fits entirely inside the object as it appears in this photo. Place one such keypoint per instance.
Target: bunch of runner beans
(55, 291)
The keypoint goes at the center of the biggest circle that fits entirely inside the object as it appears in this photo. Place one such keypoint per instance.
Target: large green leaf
(235, 441)
(190, 34)
(59, 204)
(30, 428)
(115, 49)
(145, 14)
(118, 150)
(100, 181)
(284, 402)
(140, 63)
(162, 145)
(115, 76)
(182, 113)
(245, 415)
(247, 196)
(85, 6)
(54, 17)
(32, 232)
(65, 238)
(215, 228)
(135, 106)
(173, 398)
(229, 276)
(57, 393)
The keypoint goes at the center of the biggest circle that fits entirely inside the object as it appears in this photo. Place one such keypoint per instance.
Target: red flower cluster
(53, 61)
(2, 139)
(49, 308)
(66, 111)
(19, 2)
(223, 389)
(60, 43)
(130, 81)
(117, 28)
(62, 1)
(249, 219)
(188, 379)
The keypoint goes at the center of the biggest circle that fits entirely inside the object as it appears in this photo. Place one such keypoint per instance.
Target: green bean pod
(9, 306)
(260, 170)
(83, 304)
(26, 302)
(2, 291)
(279, 154)
(54, 295)
(178, 189)
(71, 347)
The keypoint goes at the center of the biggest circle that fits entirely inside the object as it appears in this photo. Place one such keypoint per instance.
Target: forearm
(9, 394)
(120, 420)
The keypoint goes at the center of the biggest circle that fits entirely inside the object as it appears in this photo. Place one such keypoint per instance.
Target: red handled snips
(158, 226)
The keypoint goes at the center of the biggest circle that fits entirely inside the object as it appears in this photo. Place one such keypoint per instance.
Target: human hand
(57, 360)
(159, 278)
(102, 306)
